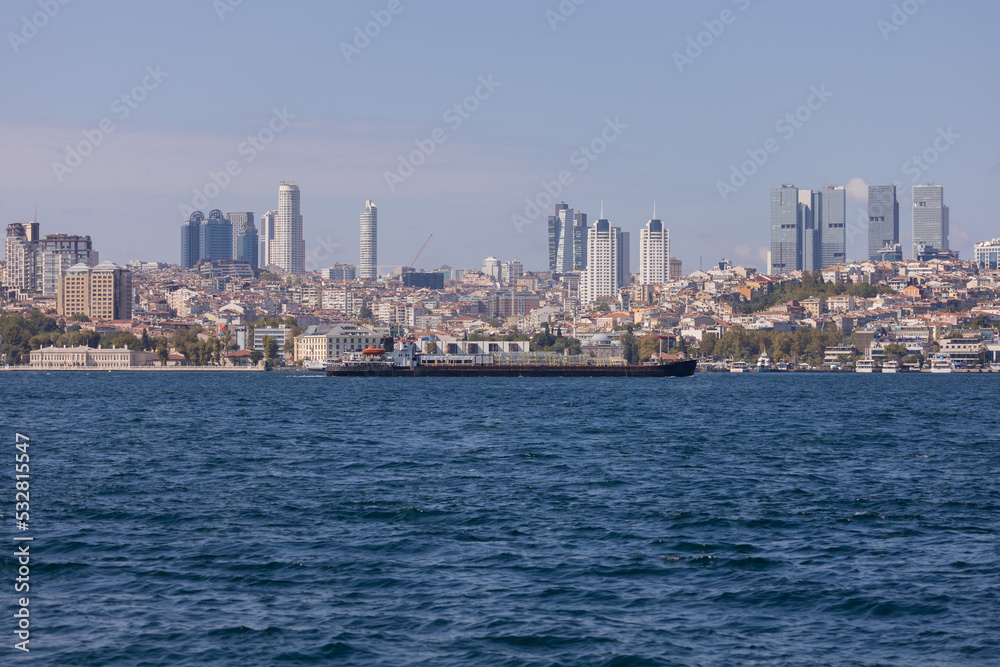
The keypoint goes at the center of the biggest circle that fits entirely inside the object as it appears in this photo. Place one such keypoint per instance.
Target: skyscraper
(244, 236)
(883, 219)
(191, 239)
(491, 267)
(567, 240)
(830, 220)
(288, 252)
(216, 237)
(786, 230)
(930, 218)
(19, 266)
(369, 242)
(654, 253)
(103, 292)
(56, 253)
(602, 277)
(808, 228)
(266, 237)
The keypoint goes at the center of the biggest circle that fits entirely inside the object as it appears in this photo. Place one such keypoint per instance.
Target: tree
(365, 313)
(895, 351)
(630, 348)
(162, 354)
(146, 343)
(270, 347)
(78, 317)
(708, 342)
(431, 348)
(289, 347)
(256, 356)
(603, 308)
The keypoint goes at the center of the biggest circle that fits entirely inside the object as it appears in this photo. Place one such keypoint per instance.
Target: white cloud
(857, 189)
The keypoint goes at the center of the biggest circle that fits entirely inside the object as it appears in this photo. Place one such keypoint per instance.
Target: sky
(459, 118)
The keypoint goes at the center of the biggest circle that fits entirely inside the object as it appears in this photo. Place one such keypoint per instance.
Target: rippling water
(231, 519)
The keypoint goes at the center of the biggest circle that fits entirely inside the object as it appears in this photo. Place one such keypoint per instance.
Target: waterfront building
(278, 333)
(288, 251)
(245, 237)
(266, 237)
(88, 357)
(369, 242)
(332, 342)
(103, 292)
(883, 220)
(930, 218)
(602, 278)
(987, 254)
(654, 253)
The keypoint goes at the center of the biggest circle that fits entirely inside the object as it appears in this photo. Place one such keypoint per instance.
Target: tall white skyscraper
(267, 237)
(603, 274)
(368, 267)
(288, 251)
(654, 253)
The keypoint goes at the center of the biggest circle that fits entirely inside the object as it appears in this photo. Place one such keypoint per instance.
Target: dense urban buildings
(369, 242)
(654, 253)
(33, 264)
(341, 272)
(103, 292)
(930, 219)
(288, 250)
(883, 220)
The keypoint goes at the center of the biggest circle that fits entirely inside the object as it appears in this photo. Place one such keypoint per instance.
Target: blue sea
(294, 519)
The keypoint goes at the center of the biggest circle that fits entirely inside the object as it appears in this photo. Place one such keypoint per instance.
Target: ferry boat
(739, 367)
(892, 366)
(315, 366)
(865, 366)
(405, 361)
(941, 364)
(764, 363)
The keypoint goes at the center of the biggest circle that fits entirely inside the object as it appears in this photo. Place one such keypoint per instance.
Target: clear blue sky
(891, 93)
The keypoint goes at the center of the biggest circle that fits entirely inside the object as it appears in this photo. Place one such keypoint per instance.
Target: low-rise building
(89, 357)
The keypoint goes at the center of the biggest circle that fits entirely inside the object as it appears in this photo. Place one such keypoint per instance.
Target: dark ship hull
(673, 369)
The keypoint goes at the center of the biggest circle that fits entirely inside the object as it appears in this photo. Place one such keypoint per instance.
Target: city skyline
(470, 137)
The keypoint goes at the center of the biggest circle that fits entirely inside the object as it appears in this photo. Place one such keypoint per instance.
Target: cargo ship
(403, 360)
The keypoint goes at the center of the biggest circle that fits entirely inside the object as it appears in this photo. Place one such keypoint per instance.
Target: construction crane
(413, 264)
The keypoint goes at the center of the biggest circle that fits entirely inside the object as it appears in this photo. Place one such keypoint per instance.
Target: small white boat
(764, 363)
(865, 366)
(892, 366)
(315, 366)
(739, 367)
(941, 364)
